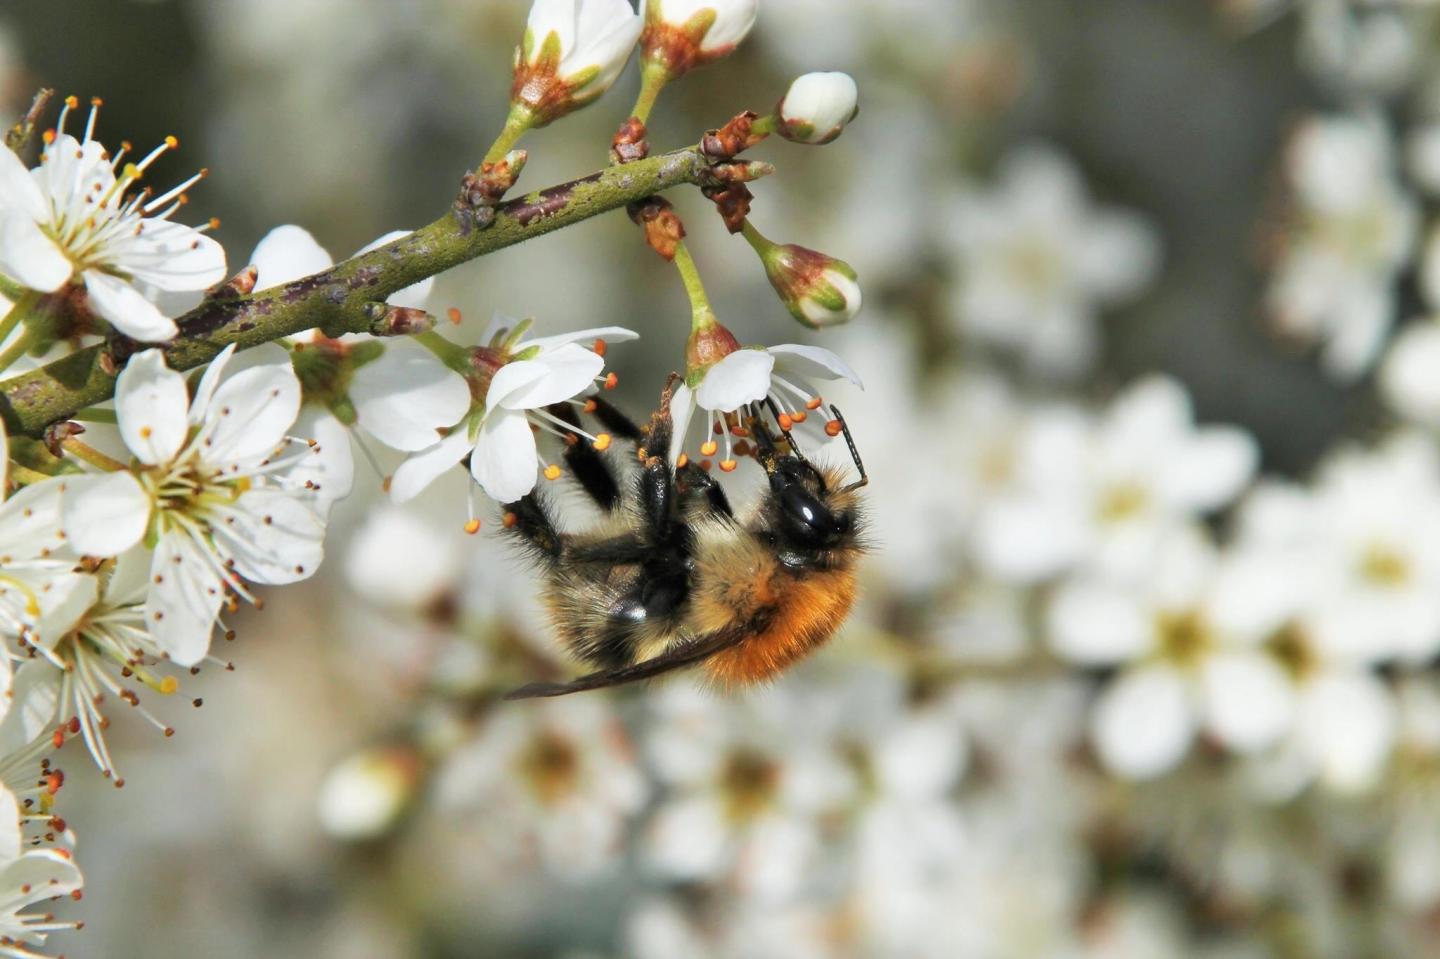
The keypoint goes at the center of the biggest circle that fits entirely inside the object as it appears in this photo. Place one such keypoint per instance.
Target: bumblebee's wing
(677, 657)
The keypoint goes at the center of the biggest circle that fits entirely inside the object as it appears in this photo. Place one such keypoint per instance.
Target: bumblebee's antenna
(790, 439)
(854, 453)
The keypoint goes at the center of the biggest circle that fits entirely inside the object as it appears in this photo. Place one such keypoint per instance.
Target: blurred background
(1119, 684)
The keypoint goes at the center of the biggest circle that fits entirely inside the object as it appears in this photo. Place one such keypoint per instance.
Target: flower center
(1292, 647)
(1182, 638)
(1384, 567)
(1122, 502)
(748, 783)
(551, 765)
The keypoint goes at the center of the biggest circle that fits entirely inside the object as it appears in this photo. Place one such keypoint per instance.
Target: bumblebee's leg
(620, 425)
(530, 519)
(656, 482)
(695, 486)
(587, 465)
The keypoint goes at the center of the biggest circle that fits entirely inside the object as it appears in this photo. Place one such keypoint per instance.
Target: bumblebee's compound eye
(808, 521)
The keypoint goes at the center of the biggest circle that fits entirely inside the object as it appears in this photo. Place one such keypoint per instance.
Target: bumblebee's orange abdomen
(799, 615)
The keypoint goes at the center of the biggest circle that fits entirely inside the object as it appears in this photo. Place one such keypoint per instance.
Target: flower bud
(363, 797)
(709, 343)
(817, 289)
(572, 53)
(817, 107)
(683, 34)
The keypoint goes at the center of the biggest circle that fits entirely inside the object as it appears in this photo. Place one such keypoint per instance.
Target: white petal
(568, 371)
(30, 520)
(1408, 379)
(1248, 700)
(1347, 724)
(610, 334)
(406, 396)
(10, 834)
(812, 363)
(209, 382)
(38, 876)
(682, 408)
(171, 257)
(272, 538)
(64, 601)
(34, 698)
(512, 379)
(329, 468)
(30, 257)
(287, 253)
(105, 513)
(504, 462)
(1211, 469)
(250, 414)
(126, 309)
(1143, 723)
(184, 599)
(151, 405)
(1119, 255)
(740, 378)
(1095, 625)
(423, 468)
(18, 190)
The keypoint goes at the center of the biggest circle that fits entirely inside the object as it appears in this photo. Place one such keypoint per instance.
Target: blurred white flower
(1363, 47)
(1193, 656)
(498, 435)
(74, 220)
(1104, 492)
(398, 559)
(558, 780)
(364, 796)
(1408, 377)
(818, 106)
(735, 929)
(573, 51)
(746, 784)
(783, 373)
(1036, 261)
(1351, 231)
(213, 487)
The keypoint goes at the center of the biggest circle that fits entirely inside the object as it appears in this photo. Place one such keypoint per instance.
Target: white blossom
(76, 219)
(215, 487)
(28, 877)
(1104, 491)
(782, 373)
(497, 435)
(366, 794)
(1352, 230)
(1036, 261)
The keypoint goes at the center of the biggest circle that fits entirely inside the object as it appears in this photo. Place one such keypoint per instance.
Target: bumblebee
(673, 578)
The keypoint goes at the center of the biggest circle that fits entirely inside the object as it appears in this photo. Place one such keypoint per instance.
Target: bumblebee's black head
(808, 513)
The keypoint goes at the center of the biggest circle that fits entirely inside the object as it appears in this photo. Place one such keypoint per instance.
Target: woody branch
(340, 299)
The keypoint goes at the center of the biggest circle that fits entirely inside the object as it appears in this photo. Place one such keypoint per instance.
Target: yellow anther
(472, 527)
(602, 442)
(552, 472)
(172, 142)
(168, 685)
(709, 448)
(728, 466)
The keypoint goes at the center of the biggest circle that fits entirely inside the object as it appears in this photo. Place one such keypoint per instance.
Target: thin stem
(701, 314)
(10, 289)
(764, 126)
(23, 306)
(16, 350)
(517, 123)
(26, 476)
(335, 299)
(653, 78)
(758, 240)
(451, 354)
(92, 456)
(96, 414)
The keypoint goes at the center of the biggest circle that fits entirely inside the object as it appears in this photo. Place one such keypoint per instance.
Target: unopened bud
(817, 107)
(734, 138)
(488, 185)
(568, 59)
(363, 797)
(817, 289)
(680, 35)
(630, 144)
(663, 227)
(386, 320)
